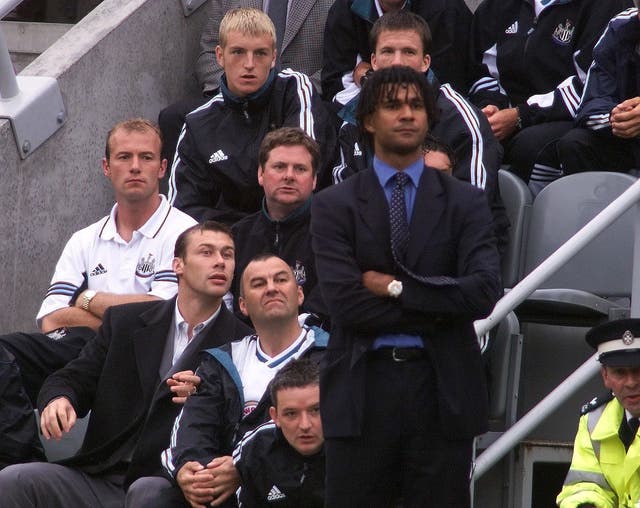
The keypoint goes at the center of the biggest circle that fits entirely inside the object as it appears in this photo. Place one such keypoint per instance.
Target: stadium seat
(70, 442)
(595, 284)
(517, 200)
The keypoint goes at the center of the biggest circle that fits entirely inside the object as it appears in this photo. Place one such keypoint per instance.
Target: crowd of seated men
(546, 88)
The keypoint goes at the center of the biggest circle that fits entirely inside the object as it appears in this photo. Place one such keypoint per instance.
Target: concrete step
(26, 40)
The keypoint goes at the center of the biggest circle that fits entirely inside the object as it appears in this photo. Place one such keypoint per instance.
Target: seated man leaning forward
(133, 377)
(214, 171)
(604, 469)
(233, 397)
(281, 463)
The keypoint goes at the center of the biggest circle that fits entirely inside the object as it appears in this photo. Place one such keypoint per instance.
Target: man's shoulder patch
(595, 403)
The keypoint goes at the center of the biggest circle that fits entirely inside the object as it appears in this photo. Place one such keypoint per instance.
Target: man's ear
(220, 56)
(274, 415)
(178, 266)
(243, 306)
(368, 125)
(163, 168)
(426, 62)
(105, 168)
(260, 173)
(605, 377)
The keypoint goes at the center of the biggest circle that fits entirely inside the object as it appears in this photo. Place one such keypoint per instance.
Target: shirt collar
(384, 172)
(148, 229)
(179, 320)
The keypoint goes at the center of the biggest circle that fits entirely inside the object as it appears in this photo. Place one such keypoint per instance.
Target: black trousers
(535, 146)
(585, 150)
(38, 355)
(19, 434)
(402, 457)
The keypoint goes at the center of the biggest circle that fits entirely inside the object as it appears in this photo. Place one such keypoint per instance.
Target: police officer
(605, 469)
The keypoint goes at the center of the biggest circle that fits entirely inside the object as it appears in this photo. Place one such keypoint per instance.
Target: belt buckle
(397, 358)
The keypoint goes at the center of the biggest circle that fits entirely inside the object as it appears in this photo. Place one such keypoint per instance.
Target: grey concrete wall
(124, 59)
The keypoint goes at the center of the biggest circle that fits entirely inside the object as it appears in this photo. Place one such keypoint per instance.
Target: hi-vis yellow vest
(601, 473)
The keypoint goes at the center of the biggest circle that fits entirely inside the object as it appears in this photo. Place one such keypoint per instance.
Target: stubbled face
(270, 291)
(287, 179)
(399, 124)
(208, 265)
(298, 416)
(402, 47)
(246, 61)
(624, 382)
(134, 166)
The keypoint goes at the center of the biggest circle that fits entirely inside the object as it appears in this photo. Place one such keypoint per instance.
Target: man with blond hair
(214, 174)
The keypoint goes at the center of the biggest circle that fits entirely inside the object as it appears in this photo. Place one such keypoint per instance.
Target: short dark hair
(433, 144)
(384, 83)
(289, 136)
(132, 125)
(295, 374)
(397, 21)
(180, 249)
(261, 256)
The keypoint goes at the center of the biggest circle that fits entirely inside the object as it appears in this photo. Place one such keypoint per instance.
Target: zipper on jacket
(245, 110)
(276, 239)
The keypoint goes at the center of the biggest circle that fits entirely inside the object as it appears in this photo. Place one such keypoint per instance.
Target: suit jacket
(301, 47)
(450, 234)
(117, 377)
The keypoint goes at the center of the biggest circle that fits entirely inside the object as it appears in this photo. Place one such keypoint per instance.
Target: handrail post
(8, 82)
(33, 104)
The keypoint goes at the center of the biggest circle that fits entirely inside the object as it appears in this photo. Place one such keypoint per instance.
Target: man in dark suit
(402, 389)
(133, 377)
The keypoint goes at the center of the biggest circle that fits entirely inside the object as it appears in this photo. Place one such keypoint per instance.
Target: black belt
(399, 354)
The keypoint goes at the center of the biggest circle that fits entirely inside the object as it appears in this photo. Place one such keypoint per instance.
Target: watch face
(90, 293)
(395, 288)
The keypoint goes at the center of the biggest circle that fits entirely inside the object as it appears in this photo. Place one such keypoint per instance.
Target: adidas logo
(356, 151)
(513, 29)
(275, 494)
(217, 156)
(98, 270)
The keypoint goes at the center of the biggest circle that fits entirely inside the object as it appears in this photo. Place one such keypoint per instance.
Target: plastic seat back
(517, 200)
(604, 266)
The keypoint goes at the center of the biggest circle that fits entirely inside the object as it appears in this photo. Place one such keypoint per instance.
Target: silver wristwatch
(394, 288)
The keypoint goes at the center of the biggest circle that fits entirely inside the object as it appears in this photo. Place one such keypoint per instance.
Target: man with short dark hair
(233, 396)
(406, 262)
(214, 172)
(347, 50)
(281, 462)
(287, 172)
(133, 377)
(404, 38)
(604, 467)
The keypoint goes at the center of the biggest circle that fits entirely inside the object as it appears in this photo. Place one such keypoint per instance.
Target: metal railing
(526, 287)
(33, 104)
